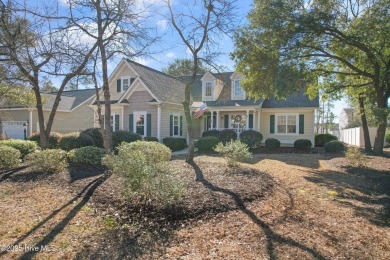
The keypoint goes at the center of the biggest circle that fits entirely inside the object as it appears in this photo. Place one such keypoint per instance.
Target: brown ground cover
(298, 206)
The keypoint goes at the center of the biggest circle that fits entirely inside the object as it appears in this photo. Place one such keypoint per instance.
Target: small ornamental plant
(233, 152)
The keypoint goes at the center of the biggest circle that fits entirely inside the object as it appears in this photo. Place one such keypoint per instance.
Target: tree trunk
(383, 110)
(190, 128)
(366, 133)
(107, 137)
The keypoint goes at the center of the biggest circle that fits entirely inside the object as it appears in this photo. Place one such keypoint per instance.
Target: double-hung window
(208, 89)
(286, 124)
(140, 123)
(237, 88)
(125, 84)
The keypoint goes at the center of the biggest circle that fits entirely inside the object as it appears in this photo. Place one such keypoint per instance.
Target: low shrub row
(322, 139)
(175, 143)
(24, 147)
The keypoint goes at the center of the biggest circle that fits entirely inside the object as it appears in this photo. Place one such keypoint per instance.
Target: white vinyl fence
(355, 136)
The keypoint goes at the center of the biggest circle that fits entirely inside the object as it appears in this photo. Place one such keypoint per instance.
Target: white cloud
(142, 61)
(170, 54)
(63, 2)
(162, 24)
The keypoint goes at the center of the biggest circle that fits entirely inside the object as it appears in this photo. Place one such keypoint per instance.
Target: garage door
(14, 129)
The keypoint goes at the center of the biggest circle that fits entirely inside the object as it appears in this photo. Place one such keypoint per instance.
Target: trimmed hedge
(124, 136)
(272, 143)
(150, 139)
(214, 133)
(24, 147)
(96, 134)
(302, 144)
(334, 147)
(207, 144)
(227, 135)
(251, 138)
(175, 143)
(49, 160)
(54, 139)
(75, 140)
(88, 155)
(322, 139)
(9, 157)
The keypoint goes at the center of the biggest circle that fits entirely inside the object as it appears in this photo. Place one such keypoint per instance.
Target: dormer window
(237, 88)
(124, 83)
(208, 89)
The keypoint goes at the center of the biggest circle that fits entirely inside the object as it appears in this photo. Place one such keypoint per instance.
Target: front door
(207, 122)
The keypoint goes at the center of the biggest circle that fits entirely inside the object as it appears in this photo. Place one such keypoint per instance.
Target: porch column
(123, 117)
(259, 118)
(211, 119)
(247, 120)
(31, 122)
(159, 123)
(218, 119)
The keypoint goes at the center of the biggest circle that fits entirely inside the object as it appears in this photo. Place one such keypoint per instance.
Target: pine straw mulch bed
(299, 206)
(81, 213)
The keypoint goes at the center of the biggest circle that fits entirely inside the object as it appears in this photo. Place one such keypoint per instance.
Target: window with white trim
(176, 125)
(238, 91)
(140, 123)
(287, 124)
(125, 84)
(208, 89)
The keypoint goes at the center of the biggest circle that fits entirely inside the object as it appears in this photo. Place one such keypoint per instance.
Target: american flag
(199, 112)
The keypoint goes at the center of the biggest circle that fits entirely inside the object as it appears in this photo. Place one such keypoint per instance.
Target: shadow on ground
(273, 238)
(85, 194)
(367, 187)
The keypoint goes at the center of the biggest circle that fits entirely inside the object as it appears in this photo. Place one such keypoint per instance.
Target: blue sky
(170, 46)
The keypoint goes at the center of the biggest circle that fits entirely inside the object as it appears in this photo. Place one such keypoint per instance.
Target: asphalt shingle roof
(70, 99)
(165, 87)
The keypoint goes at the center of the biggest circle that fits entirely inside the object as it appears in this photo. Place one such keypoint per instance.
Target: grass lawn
(298, 206)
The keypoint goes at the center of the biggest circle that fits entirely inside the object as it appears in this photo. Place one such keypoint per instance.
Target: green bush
(89, 155)
(50, 160)
(334, 147)
(54, 139)
(75, 140)
(96, 134)
(9, 157)
(272, 143)
(24, 147)
(227, 135)
(124, 136)
(175, 143)
(233, 152)
(150, 139)
(144, 171)
(207, 144)
(322, 139)
(356, 157)
(302, 144)
(387, 138)
(251, 138)
(214, 133)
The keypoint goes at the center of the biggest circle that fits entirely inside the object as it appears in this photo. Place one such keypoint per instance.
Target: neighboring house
(73, 114)
(348, 118)
(149, 102)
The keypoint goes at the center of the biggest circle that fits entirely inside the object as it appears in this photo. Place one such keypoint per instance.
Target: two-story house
(149, 102)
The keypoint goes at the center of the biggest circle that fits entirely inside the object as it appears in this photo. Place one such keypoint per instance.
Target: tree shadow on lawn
(7, 174)
(372, 186)
(272, 237)
(82, 171)
(85, 194)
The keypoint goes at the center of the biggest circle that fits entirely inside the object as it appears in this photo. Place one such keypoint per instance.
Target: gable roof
(165, 87)
(69, 99)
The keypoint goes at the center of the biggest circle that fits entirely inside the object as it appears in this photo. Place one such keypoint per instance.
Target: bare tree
(37, 45)
(118, 29)
(200, 25)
